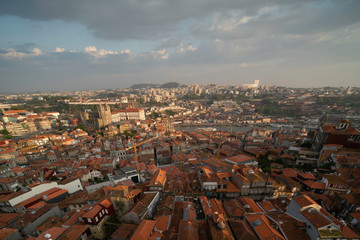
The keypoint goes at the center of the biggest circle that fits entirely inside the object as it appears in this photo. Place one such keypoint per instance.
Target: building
(96, 216)
(320, 223)
(252, 85)
(128, 114)
(168, 124)
(253, 183)
(341, 134)
(241, 160)
(99, 118)
(144, 208)
(157, 182)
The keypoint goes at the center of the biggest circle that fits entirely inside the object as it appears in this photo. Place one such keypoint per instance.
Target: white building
(253, 85)
(128, 114)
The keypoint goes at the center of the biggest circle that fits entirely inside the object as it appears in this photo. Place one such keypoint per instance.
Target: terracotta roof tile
(144, 230)
(304, 201)
(263, 228)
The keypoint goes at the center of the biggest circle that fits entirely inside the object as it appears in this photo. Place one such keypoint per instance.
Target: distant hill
(144, 85)
(154, 85)
(170, 85)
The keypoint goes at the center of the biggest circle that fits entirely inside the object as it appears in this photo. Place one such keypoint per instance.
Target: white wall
(31, 193)
(73, 186)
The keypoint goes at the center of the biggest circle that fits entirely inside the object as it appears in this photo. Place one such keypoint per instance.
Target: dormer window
(343, 124)
(354, 137)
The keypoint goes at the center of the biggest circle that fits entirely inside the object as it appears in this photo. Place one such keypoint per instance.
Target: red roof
(55, 194)
(309, 176)
(37, 205)
(315, 185)
(290, 172)
(240, 158)
(10, 112)
(144, 230)
(93, 212)
(304, 201)
(127, 110)
(331, 129)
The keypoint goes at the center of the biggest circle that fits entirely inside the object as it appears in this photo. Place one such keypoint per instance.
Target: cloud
(162, 18)
(92, 50)
(182, 49)
(206, 40)
(168, 43)
(11, 53)
(59, 50)
(160, 54)
(126, 51)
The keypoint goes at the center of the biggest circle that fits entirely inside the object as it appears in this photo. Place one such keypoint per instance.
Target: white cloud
(92, 50)
(59, 50)
(11, 53)
(125, 51)
(160, 54)
(182, 49)
(245, 19)
(229, 23)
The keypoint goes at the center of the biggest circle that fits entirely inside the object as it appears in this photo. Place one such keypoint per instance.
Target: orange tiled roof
(144, 230)
(304, 201)
(263, 228)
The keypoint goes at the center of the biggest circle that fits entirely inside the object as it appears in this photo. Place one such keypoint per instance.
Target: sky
(48, 45)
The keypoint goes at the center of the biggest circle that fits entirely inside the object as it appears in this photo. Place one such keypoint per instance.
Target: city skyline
(47, 46)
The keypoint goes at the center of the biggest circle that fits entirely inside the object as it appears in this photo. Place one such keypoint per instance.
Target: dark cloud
(277, 40)
(136, 19)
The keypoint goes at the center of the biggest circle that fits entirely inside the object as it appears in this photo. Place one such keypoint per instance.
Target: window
(96, 219)
(106, 211)
(89, 220)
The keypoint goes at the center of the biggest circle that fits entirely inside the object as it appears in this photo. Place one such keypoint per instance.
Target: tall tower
(169, 124)
(104, 115)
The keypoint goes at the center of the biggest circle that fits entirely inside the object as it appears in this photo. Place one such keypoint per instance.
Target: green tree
(111, 225)
(81, 126)
(54, 178)
(130, 134)
(17, 108)
(170, 112)
(153, 115)
(140, 100)
(6, 134)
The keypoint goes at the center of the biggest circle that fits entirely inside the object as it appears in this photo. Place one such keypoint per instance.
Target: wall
(73, 186)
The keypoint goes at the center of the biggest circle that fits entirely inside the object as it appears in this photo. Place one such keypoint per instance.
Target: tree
(153, 115)
(6, 134)
(140, 100)
(170, 112)
(54, 178)
(81, 126)
(17, 108)
(111, 225)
